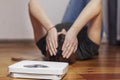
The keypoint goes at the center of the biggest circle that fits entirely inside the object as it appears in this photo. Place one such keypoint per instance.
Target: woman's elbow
(30, 3)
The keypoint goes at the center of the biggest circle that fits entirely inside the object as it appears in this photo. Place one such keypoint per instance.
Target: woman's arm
(51, 39)
(92, 9)
(39, 14)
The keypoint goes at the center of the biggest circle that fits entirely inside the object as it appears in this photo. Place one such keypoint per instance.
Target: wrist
(72, 30)
(50, 29)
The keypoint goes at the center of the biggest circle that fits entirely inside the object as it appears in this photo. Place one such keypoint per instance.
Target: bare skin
(41, 24)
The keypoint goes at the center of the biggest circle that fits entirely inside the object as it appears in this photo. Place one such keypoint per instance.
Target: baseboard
(17, 41)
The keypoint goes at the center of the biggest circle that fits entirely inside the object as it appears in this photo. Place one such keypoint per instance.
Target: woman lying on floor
(82, 40)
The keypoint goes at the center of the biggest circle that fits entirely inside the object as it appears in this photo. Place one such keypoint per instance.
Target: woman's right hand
(51, 41)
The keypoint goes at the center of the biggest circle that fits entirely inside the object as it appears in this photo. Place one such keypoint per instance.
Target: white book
(37, 76)
(39, 67)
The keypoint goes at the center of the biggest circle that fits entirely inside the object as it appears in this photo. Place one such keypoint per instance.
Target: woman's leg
(38, 30)
(94, 30)
(73, 10)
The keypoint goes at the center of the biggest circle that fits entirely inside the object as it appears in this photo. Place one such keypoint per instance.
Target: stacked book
(38, 70)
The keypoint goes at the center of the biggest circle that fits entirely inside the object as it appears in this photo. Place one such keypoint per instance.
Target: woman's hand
(51, 41)
(70, 44)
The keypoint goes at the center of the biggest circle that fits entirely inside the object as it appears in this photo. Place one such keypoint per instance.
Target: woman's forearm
(93, 8)
(39, 14)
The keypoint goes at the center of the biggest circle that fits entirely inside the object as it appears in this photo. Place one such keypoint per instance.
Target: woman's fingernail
(63, 55)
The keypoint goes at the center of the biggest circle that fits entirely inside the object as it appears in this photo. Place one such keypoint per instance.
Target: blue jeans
(74, 9)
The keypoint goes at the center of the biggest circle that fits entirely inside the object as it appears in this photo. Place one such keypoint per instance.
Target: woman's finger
(65, 49)
(54, 47)
(65, 44)
(56, 44)
(48, 46)
(75, 49)
(66, 52)
(76, 46)
(70, 52)
(51, 43)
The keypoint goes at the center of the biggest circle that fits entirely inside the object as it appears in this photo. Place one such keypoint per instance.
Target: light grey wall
(105, 21)
(14, 19)
(118, 21)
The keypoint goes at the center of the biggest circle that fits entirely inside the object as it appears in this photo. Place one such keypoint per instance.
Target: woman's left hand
(70, 44)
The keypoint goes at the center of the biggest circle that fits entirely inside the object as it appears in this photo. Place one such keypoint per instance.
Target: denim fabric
(73, 10)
